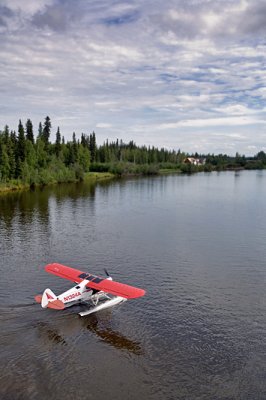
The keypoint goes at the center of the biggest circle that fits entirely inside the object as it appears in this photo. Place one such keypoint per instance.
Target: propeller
(106, 272)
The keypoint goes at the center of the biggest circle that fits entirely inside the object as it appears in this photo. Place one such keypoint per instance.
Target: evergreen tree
(83, 140)
(6, 134)
(11, 151)
(4, 163)
(46, 130)
(69, 154)
(92, 147)
(29, 131)
(21, 142)
(40, 131)
(74, 147)
(58, 142)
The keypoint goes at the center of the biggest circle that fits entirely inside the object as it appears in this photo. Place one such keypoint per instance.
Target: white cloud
(29, 7)
(222, 122)
(103, 125)
(140, 69)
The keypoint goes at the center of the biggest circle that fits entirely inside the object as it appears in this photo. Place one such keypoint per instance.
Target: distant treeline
(34, 160)
(222, 162)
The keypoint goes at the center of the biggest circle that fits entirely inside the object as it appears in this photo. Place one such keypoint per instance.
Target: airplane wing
(95, 282)
(71, 274)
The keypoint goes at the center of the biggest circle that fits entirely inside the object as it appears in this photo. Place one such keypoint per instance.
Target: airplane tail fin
(50, 300)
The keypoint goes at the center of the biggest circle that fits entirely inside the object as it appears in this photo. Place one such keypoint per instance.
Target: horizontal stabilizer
(49, 300)
(56, 305)
(38, 298)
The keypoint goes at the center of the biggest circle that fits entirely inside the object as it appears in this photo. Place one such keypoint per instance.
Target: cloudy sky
(187, 74)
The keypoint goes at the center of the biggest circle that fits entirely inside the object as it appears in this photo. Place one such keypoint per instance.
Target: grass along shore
(17, 184)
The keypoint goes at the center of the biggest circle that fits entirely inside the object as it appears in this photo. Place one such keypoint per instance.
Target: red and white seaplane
(88, 288)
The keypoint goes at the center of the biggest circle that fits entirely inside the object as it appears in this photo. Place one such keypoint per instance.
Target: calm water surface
(196, 243)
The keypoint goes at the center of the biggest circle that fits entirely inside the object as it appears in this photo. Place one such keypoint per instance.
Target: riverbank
(18, 185)
(117, 172)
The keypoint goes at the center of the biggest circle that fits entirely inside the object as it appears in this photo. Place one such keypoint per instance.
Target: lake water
(196, 243)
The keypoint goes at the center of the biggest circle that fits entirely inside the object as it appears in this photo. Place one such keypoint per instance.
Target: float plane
(88, 289)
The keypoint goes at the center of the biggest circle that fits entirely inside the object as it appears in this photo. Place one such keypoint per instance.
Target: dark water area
(196, 243)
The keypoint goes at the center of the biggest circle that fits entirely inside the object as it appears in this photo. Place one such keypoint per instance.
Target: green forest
(29, 159)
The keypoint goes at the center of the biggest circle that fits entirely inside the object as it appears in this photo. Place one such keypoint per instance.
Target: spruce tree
(46, 130)
(20, 150)
(6, 134)
(21, 142)
(75, 147)
(85, 141)
(4, 163)
(29, 131)
(11, 149)
(40, 131)
(93, 147)
(57, 142)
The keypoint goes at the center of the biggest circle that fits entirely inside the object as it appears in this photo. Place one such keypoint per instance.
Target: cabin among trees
(194, 161)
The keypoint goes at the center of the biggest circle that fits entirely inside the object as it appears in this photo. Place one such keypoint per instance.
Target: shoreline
(19, 186)
(16, 186)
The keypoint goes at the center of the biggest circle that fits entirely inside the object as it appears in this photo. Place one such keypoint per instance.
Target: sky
(178, 74)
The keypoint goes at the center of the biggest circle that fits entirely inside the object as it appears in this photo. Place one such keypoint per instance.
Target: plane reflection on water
(50, 334)
(112, 337)
(100, 326)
